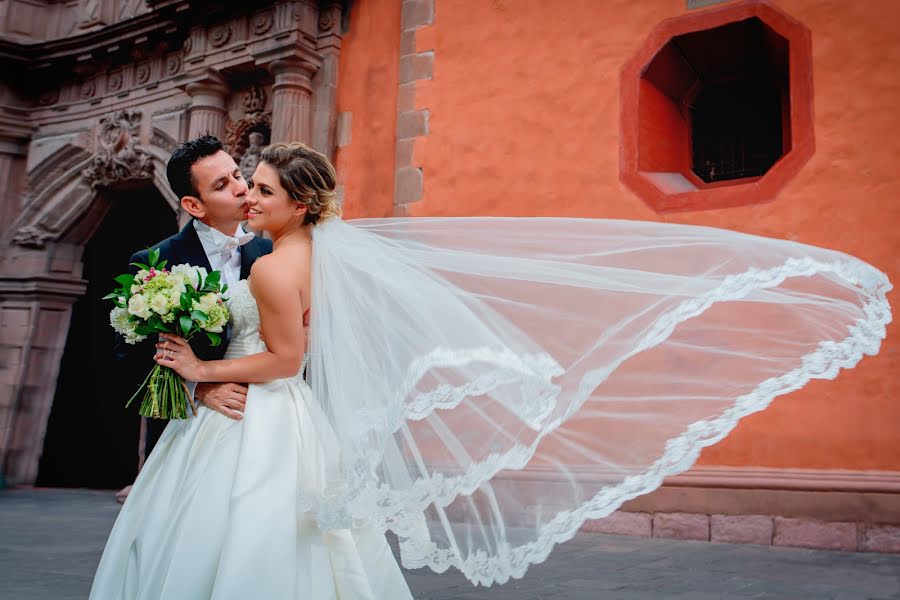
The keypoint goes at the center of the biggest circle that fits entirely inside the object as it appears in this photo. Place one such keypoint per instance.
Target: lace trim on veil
(401, 510)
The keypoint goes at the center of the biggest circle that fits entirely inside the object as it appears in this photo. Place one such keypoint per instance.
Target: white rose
(135, 289)
(137, 305)
(189, 274)
(207, 301)
(160, 304)
(120, 321)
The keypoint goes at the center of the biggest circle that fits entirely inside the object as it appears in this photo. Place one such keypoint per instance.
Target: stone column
(325, 82)
(207, 112)
(291, 100)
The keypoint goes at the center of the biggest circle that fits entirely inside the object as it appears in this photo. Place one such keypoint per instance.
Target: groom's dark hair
(178, 170)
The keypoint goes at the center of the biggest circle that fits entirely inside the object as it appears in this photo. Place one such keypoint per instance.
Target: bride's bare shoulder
(281, 269)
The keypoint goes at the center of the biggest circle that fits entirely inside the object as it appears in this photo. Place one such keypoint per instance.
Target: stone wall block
(412, 124)
(408, 185)
(407, 42)
(681, 526)
(879, 538)
(406, 97)
(741, 529)
(404, 153)
(416, 66)
(416, 13)
(637, 524)
(808, 533)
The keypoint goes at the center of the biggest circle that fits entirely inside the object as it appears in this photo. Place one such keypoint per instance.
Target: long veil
(491, 383)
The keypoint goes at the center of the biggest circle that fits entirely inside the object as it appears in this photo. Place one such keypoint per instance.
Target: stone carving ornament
(220, 35)
(115, 81)
(142, 73)
(31, 237)
(238, 132)
(118, 158)
(173, 64)
(251, 156)
(262, 22)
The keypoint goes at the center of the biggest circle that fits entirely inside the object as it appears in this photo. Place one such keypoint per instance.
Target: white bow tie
(230, 243)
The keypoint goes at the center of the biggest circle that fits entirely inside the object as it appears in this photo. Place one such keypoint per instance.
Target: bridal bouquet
(183, 300)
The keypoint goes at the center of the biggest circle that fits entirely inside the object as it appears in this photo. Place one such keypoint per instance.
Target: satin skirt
(214, 514)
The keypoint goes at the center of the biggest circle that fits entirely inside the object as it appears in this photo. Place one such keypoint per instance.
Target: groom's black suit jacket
(183, 247)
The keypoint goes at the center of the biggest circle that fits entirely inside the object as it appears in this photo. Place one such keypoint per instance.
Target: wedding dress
(481, 387)
(214, 512)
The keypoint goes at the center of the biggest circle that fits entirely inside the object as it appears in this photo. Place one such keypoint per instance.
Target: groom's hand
(226, 398)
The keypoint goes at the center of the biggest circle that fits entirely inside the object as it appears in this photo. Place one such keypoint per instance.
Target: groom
(213, 191)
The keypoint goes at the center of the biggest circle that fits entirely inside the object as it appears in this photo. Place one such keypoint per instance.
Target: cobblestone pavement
(51, 540)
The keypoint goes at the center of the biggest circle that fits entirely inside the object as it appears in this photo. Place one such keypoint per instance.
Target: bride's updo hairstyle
(308, 177)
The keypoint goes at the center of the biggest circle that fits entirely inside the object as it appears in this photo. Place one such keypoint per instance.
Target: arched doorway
(92, 439)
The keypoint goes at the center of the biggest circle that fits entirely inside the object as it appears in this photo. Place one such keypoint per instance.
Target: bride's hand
(174, 352)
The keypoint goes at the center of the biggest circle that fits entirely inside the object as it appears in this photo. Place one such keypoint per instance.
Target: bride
(479, 386)
(214, 512)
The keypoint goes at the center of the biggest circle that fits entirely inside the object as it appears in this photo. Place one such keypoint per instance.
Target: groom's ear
(193, 206)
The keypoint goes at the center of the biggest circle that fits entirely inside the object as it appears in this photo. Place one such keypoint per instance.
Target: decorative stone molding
(31, 237)
(115, 81)
(142, 73)
(262, 22)
(220, 35)
(162, 140)
(118, 157)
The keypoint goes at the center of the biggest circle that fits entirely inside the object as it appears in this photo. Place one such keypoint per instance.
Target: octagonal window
(717, 108)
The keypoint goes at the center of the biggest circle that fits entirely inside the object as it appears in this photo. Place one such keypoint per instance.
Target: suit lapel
(249, 253)
(189, 248)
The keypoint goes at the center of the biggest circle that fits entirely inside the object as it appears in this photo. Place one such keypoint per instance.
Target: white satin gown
(215, 511)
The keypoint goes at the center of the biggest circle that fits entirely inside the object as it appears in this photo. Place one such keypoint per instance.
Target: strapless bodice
(245, 337)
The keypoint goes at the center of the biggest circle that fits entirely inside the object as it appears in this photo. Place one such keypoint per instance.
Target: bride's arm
(276, 287)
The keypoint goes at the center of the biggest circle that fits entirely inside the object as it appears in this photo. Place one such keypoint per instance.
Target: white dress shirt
(223, 251)
(224, 254)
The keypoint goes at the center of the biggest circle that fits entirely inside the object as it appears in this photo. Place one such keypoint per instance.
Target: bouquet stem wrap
(166, 396)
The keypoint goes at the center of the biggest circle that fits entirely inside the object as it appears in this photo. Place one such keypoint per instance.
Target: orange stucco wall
(524, 120)
(367, 89)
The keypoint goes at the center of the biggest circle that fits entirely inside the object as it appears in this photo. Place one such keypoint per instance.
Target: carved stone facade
(97, 94)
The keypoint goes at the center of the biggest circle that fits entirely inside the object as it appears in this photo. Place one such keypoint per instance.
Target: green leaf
(154, 257)
(186, 323)
(199, 316)
(141, 266)
(115, 294)
(185, 301)
(126, 280)
(144, 330)
(224, 288)
(162, 328)
(214, 338)
(162, 265)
